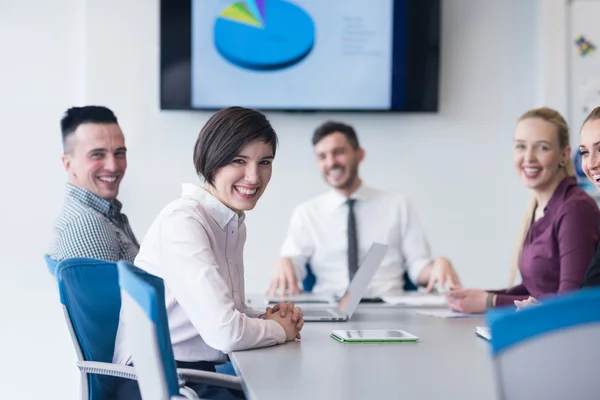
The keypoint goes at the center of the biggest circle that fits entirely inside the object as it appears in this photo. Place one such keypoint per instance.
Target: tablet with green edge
(373, 336)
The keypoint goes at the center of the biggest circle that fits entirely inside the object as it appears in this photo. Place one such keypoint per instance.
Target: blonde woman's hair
(594, 115)
(562, 129)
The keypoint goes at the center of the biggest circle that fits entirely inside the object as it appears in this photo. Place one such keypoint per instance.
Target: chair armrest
(210, 378)
(186, 393)
(188, 375)
(103, 368)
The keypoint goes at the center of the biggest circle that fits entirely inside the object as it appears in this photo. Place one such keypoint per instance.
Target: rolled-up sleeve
(298, 245)
(193, 277)
(415, 246)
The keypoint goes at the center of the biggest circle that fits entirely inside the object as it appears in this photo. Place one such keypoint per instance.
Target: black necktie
(352, 240)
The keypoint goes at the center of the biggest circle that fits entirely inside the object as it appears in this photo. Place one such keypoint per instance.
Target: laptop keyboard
(315, 313)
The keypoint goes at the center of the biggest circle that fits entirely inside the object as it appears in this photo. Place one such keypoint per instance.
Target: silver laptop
(347, 304)
(303, 299)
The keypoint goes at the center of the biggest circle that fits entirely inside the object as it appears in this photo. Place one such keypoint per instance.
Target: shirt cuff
(252, 313)
(416, 268)
(503, 300)
(276, 330)
(299, 263)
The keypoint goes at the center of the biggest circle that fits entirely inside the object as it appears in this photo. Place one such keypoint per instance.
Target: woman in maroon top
(560, 232)
(590, 164)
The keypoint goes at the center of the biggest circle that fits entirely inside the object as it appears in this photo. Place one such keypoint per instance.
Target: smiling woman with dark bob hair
(196, 246)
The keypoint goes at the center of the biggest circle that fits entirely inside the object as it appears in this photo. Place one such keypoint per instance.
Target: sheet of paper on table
(484, 332)
(418, 300)
(446, 313)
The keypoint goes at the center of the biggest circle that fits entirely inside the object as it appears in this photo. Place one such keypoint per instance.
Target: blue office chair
(226, 369)
(91, 300)
(143, 297)
(51, 263)
(548, 351)
(309, 281)
(409, 286)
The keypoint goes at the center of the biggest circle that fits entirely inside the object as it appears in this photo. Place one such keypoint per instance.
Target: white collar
(335, 200)
(217, 210)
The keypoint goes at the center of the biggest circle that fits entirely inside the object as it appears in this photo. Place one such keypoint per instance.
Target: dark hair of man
(76, 116)
(330, 127)
(225, 134)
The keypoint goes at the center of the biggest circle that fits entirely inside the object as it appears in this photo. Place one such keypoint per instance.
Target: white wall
(553, 56)
(41, 73)
(466, 145)
(456, 164)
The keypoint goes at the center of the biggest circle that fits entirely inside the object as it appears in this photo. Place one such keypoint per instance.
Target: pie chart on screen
(264, 35)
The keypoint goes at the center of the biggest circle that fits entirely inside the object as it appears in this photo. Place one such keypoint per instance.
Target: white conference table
(448, 362)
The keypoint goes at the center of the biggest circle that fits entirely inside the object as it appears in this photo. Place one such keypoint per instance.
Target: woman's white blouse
(196, 246)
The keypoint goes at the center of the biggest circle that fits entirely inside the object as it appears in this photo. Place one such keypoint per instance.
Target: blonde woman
(590, 164)
(560, 229)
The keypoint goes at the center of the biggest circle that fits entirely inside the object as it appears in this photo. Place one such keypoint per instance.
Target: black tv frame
(422, 69)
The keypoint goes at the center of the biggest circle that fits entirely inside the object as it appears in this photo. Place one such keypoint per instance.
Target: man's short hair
(76, 116)
(225, 134)
(330, 127)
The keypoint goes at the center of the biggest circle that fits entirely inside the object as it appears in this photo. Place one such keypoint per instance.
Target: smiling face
(590, 150)
(97, 159)
(240, 184)
(339, 161)
(537, 154)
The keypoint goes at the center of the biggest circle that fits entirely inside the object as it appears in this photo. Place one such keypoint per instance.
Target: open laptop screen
(359, 285)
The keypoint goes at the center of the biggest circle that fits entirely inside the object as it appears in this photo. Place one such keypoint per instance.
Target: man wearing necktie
(334, 230)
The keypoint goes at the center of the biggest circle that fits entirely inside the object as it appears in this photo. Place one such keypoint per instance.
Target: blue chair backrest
(550, 350)
(89, 290)
(148, 292)
(409, 286)
(51, 263)
(308, 283)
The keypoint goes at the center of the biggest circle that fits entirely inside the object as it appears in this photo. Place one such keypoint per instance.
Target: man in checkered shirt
(91, 223)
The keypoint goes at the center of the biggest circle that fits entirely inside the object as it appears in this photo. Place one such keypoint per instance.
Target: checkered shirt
(90, 226)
